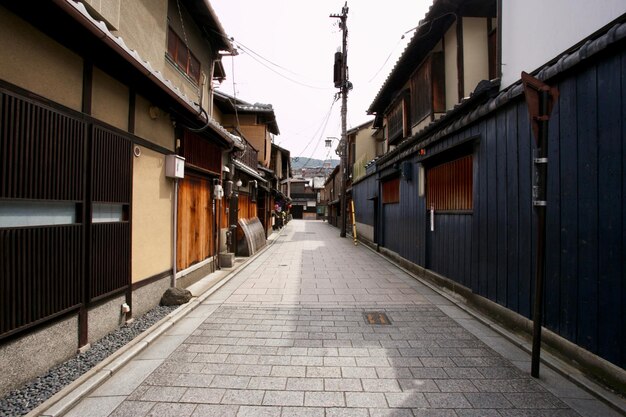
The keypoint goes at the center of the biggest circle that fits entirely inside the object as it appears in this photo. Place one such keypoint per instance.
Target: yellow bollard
(353, 222)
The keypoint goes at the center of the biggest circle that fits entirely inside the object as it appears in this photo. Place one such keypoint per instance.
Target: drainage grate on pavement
(376, 317)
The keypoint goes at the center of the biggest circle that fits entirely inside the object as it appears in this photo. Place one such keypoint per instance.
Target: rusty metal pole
(540, 201)
(539, 98)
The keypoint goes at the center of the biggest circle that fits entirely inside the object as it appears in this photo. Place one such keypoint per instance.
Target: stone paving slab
(287, 336)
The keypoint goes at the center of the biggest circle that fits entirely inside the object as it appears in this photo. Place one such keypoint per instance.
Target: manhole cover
(376, 317)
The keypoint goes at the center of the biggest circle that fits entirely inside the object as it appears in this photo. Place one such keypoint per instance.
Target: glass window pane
(36, 213)
(105, 213)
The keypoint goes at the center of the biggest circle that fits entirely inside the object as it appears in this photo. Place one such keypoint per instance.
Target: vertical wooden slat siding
(111, 166)
(195, 222)
(586, 211)
(395, 122)
(37, 278)
(249, 156)
(41, 156)
(450, 185)
(391, 191)
(110, 246)
(201, 152)
(247, 208)
(111, 181)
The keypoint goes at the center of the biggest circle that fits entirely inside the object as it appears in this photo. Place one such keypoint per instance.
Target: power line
(288, 78)
(386, 60)
(250, 51)
(259, 58)
(320, 128)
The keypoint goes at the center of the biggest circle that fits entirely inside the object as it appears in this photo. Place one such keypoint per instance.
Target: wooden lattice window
(427, 88)
(391, 191)
(449, 185)
(395, 122)
(181, 55)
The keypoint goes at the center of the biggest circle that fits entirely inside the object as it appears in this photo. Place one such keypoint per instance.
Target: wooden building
(452, 199)
(94, 103)
(256, 124)
(332, 192)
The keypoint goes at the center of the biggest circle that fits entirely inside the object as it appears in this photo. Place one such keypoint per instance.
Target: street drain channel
(376, 317)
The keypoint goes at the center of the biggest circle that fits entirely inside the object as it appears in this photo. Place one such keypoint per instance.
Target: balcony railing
(248, 156)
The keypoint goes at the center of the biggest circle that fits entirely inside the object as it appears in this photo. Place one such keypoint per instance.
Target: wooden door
(195, 222)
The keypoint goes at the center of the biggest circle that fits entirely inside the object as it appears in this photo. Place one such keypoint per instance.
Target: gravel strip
(21, 401)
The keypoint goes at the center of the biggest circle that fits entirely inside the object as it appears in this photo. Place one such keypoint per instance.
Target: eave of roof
(79, 14)
(205, 17)
(430, 30)
(243, 167)
(488, 99)
(228, 103)
(282, 150)
(360, 127)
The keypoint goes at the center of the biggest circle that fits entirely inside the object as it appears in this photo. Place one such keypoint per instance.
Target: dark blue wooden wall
(363, 195)
(492, 250)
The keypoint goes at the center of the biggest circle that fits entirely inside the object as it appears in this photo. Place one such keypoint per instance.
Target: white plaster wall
(475, 53)
(536, 31)
(452, 67)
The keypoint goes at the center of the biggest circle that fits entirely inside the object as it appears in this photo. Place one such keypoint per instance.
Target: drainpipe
(174, 232)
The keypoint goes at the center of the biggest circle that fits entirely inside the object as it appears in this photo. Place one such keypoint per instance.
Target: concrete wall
(152, 216)
(365, 231)
(36, 63)
(105, 318)
(475, 53)
(33, 354)
(109, 100)
(148, 296)
(527, 24)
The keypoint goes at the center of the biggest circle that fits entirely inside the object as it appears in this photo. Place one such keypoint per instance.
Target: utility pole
(341, 81)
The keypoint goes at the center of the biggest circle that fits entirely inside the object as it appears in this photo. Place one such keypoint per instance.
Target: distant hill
(298, 163)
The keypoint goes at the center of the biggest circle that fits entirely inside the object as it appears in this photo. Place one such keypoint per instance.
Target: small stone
(175, 297)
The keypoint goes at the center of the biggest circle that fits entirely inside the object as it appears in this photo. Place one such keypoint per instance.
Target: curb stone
(64, 400)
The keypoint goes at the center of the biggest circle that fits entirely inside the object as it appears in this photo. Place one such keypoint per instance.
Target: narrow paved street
(287, 336)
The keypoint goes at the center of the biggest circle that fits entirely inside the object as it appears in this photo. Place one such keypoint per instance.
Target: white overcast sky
(299, 40)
